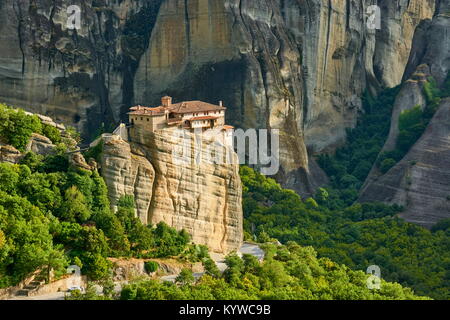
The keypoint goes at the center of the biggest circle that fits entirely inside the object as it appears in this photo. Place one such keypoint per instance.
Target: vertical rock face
(74, 76)
(203, 199)
(420, 181)
(297, 66)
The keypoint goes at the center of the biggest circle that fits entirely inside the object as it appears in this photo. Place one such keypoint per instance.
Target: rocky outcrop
(40, 144)
(130, 269)
(9, 154)
(420, 181)
(128, 173)
(203, 199)
(431, 45)
(297, 66)
(77, 160)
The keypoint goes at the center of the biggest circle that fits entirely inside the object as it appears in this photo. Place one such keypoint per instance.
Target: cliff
(420, 181)
(297, 66)
(204, 199)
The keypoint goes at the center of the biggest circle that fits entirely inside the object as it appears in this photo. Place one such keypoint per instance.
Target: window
(148, 119)
(142, 118)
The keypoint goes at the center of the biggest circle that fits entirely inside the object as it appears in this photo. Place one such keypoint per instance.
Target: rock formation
(421, 180)
(9, 154)
(203, 199)
(40, 144)
(297, 66)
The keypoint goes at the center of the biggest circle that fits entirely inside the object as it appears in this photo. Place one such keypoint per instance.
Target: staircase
(37, 281)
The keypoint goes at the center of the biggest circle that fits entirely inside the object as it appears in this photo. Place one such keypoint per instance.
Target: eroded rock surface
(40, 144)
(9, 154)
(420, 181)
(297, 66)
(203, 199)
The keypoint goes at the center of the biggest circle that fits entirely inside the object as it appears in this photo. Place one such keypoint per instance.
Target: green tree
(75, 208)
(186, 277)
(211, 267)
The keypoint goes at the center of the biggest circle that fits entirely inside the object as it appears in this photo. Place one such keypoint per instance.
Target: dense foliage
(363, 234)
(67, 212)
(357, 236)
(288, 272)
(53, 214)
(16, 127)
(351, 164)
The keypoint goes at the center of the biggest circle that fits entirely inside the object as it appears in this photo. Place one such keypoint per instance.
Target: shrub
(387, 164)
(411, 125)
(185, 277)
(52, 133)
(151, 266)
(16, 127)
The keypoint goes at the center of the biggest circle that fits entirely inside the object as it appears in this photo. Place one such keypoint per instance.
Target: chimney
(166, 101)
(221, 103)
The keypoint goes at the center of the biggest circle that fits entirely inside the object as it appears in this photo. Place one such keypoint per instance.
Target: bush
(52, 133)
(211, 267)
(185, 277)
(95, 152)
(151, 266)
(16, 127)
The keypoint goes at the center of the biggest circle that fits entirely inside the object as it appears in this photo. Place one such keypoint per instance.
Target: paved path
(50, 296)
(171, 278)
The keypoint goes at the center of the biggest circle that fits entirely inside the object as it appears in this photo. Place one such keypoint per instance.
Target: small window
(142, 118)
(148, 119)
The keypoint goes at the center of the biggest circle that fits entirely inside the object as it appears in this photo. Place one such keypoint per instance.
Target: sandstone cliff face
(297, 66)
(73, 76)
(203, 199)
(420, 181)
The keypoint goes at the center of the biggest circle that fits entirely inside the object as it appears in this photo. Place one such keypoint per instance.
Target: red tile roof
(194, 106)
(203, 118)
(180, 108)
(140, 110)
